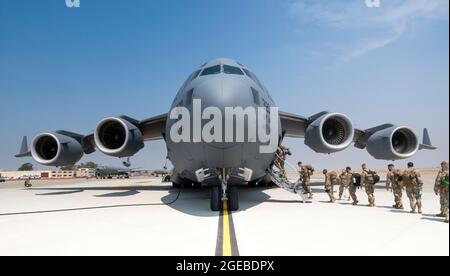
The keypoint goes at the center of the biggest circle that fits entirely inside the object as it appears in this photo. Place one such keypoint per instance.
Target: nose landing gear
(223, 193)
(217, 199)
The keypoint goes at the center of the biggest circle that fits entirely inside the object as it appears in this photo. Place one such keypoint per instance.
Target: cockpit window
(211, 70)
(227, 69)
(196, 74)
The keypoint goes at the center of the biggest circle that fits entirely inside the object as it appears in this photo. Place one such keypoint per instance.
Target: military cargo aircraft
(223, 151)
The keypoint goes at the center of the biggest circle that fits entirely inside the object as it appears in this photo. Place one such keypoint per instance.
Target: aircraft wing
(122, 137)
(327, 132)
(153, 128)
(293, 125)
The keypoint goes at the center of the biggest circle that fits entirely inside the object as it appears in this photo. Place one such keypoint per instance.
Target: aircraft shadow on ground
(116, 191)
(191, 201)
(196, 202)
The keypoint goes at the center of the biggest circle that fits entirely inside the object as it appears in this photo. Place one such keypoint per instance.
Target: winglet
(24, 152)
(426, 144)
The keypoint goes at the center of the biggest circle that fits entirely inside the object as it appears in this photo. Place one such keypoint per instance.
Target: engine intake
(118, 137)
(53, 149)
(393, 143)
(330, 133)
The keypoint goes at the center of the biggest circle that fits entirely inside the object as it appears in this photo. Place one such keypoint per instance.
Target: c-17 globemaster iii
(223, 130)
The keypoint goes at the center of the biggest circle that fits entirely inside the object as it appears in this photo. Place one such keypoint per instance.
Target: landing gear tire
(233, 199)
(216, 201)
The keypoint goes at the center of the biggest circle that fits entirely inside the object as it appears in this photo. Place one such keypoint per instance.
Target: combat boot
(401, 207)
(420, 211)
(413, 211)
(441, 215)
(355, 203)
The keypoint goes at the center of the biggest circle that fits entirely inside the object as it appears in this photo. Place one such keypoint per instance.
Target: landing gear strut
(223, 193)
(217, 202)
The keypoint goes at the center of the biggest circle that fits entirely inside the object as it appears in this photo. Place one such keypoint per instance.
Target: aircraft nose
(223, 91)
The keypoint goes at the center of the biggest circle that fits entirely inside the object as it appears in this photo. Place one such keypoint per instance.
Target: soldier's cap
(410, 164)
(391, 165)
(325, 171)
(363, 164)
(348, 168)
(444, 162)
(299, 163)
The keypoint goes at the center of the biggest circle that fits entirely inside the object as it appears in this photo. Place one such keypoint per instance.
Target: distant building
(37, 174)
(25, 174)
(86, 172)
(63, 174)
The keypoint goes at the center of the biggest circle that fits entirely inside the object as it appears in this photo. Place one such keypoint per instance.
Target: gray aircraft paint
(221, 91)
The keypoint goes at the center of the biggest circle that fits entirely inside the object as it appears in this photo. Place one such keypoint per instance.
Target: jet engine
(118, 137)
(393, 143)
(331, 132)
(53, 149)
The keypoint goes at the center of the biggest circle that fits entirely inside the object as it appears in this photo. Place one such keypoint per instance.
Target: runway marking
(226, 237)
(226, 248)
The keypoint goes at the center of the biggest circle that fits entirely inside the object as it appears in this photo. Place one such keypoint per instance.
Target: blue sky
(64, 68)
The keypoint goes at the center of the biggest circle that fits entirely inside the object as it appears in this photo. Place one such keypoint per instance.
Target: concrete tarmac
(147, 217)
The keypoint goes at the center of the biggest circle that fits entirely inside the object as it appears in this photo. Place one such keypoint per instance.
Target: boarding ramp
(282, 182)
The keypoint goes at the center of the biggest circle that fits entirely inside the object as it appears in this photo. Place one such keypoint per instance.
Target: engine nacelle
(330, 133)
(393, 143)
(53, 149)
(118, 137)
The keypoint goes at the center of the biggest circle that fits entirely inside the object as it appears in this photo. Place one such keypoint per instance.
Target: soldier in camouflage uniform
(280, 159)
(344, 182)
(351, 186)
(394, 179)
(441, 188)
(305, 177)
(331, 179)
(368, 182)
(346, 179)
(414, 186)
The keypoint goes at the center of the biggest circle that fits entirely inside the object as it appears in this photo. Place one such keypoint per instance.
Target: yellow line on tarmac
(226, 246)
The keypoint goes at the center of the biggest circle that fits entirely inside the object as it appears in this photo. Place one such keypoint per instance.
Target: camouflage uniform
(389, 183)
(443, 191)
(393, 179)
(368, 182)
(414, 186)
(305, 174)
(280, 159)
(344, 180)
(352, 190)
(331, 179)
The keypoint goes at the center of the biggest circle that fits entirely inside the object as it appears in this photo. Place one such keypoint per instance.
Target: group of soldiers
(397, 180)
